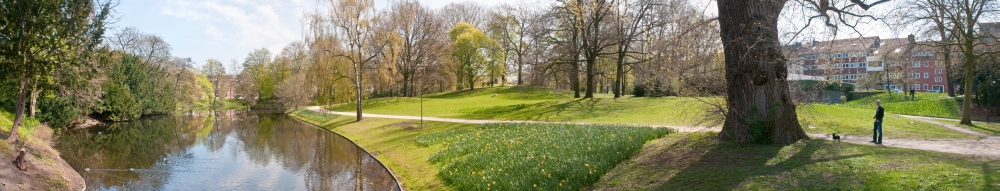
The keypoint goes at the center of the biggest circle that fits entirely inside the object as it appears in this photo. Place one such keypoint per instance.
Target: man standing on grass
(877, 132)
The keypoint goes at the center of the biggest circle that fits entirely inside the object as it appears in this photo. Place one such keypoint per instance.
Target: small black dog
(836, 137)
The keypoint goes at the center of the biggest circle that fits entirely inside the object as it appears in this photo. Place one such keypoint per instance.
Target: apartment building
(844, 60)
(894, 64)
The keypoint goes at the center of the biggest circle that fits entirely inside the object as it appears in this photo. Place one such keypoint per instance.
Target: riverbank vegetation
(464, 156)
(46, 170)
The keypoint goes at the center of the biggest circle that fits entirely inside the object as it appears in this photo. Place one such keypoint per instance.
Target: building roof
(839, 45)
(892, 47)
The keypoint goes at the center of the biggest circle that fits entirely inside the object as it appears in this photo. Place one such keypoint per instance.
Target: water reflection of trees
(324, 160)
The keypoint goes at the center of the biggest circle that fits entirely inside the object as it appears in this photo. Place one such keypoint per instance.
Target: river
(223, 150)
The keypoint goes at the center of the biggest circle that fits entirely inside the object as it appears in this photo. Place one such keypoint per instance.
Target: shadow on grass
(991, 131)
(988, 177)
(727, 165)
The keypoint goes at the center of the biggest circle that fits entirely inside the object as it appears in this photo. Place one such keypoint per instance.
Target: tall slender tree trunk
(620, 71)
(357, 86)
(947, 77)
(33, 101)
(19, 109)
(574, 78)
(759, 107)
(590, 77)
(967, 97)
(520, 67)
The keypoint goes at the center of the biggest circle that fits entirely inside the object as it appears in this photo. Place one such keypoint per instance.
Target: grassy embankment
(701, 162)
(926, 104)
(46, 172)
(677, 161)
(445, 156)
(522, 103)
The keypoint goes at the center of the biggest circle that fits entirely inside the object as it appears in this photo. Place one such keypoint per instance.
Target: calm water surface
(224, 150)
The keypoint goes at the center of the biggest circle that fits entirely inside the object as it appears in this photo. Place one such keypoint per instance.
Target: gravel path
(986, 145)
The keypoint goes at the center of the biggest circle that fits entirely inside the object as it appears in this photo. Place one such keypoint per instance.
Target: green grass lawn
(823, 118)
(926, 104)
(525, 103)
(992, 128)
(317, 117)
(518, 103)
(700, 161)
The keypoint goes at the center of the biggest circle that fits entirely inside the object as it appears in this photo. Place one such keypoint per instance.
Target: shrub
(58, 112)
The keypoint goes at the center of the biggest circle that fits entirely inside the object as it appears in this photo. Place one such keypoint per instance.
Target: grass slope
(522, 103)
(538, 104)
(701, 162)
(926, 104)
(822, 118)
(982, 127)
(46, 171)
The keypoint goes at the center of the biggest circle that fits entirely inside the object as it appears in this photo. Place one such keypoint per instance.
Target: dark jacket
(879, 113)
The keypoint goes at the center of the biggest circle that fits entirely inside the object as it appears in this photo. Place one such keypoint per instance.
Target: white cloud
(244, 25)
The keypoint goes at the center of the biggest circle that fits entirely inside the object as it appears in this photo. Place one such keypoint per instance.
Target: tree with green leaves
(215, 71)
(474, 52)
(255, 68)
(41, 36)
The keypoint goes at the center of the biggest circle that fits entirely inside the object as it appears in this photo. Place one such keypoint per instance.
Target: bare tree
(294, 91)
(421, 38)
(956, 24)
(353, 23)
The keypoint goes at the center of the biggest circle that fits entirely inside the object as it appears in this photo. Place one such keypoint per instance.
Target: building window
(914, 75)
(937, 79)
(927, 64)
(938, 71)
(925, 87)
(915, 64)
(915, 86)
(926, 75)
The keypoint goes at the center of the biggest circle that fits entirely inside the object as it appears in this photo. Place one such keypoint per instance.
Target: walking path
(949, 126)
(986, 145)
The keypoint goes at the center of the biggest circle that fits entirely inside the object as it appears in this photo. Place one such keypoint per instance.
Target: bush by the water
(527, 156)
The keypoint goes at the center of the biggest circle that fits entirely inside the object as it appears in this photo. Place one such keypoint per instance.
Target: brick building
(894, 64)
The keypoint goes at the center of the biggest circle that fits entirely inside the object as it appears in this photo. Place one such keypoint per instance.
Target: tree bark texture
(966, 99)
(759, 107)
(19, 109)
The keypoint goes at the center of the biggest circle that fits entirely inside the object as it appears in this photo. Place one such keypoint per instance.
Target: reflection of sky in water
(226, 151)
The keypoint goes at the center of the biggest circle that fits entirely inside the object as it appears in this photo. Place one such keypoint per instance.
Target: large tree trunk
(759, 107)
(19, 109)
(967, 97)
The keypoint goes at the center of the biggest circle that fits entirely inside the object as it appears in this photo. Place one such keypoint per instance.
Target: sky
(230, 29)
(226, 29)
